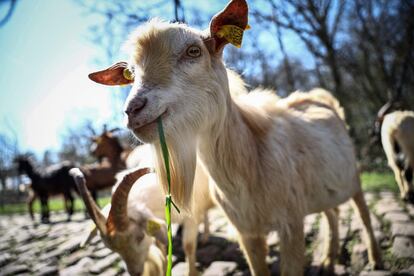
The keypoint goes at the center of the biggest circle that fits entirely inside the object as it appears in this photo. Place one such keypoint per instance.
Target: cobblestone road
(53, 249)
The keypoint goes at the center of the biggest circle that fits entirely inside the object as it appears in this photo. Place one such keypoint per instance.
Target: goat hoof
(326, 271)
(375, 266)
(327, 266)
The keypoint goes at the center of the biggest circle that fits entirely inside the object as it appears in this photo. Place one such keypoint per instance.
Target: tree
(10, 6)
(378, 54)
(316, 23)
(361, 50)
(119, 18)
(377, 57)
(77, 142)
(8, 151)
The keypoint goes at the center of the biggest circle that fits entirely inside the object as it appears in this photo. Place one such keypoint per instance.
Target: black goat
(54, 180)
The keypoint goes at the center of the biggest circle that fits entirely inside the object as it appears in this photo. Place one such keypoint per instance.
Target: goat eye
(193, 51)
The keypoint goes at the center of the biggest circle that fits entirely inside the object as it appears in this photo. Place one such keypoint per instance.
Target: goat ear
(228, 26)
(117, 74)
(157, 228)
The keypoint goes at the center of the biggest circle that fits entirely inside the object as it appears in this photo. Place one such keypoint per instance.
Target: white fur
(398, 128)
(147, 199)
(273, 160)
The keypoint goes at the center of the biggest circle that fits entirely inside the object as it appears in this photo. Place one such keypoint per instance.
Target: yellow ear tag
(128, 74)
(153, 227)
(232, 34)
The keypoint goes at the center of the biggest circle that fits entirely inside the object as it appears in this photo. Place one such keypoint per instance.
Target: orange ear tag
(232, 33)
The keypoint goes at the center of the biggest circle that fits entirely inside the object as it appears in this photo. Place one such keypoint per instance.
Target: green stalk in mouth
(168, 199)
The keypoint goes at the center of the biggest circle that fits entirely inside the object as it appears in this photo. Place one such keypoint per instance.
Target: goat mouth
(150, 123)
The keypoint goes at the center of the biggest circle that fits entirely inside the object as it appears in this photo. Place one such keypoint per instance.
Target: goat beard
(183, 159)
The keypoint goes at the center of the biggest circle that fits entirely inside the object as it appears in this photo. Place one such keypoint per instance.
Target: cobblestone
(403, 247)
(38, 249)
(403, 229)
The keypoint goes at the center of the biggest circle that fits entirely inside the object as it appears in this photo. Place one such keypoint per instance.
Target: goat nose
(135, 106)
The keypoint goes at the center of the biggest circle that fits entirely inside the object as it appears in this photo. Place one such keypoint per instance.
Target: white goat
(397, 135)
(273, 161)
(146, 201)
(152, 196)
(127, 230)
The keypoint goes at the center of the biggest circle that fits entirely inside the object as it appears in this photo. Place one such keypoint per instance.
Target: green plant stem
(168, 199)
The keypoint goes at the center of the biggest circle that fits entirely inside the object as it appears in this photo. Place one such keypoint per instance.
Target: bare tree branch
(11, 9)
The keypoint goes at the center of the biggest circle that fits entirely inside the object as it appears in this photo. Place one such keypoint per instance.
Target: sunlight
(72, 100)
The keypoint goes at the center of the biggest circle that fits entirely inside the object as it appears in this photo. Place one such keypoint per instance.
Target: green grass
(378, 181)
(371, 181)
(55, 204)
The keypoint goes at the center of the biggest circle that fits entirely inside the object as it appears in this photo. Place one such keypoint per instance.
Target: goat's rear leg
(69, 205)
(30, 200)
(292, 250)
(255, 251)
(45, 209)
(206, 233)
(361, 208)
(190, 232)
(331, 244)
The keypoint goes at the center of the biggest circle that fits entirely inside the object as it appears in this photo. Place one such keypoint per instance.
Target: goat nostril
(136, 106)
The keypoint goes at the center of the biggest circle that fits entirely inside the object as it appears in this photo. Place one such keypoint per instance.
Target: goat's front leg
(255, 251)
(292, 250)
(190, 232)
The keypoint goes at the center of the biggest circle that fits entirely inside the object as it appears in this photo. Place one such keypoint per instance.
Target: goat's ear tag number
(128, 74)
(232, 34)
(153, 227)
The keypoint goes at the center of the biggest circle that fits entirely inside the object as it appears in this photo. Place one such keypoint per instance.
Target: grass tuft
(378, 181)
(55, 204)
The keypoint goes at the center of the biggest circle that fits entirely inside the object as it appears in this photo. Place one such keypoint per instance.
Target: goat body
(99, 177)
(102, 175)
(397, 135)
(273, 160)
(55, 180)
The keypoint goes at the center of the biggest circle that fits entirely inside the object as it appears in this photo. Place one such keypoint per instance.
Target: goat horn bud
(118, 215)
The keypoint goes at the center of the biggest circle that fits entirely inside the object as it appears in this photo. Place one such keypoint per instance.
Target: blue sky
(45, 58)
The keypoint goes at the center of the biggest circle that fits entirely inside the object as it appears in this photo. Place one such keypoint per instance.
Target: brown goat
(102, 175)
